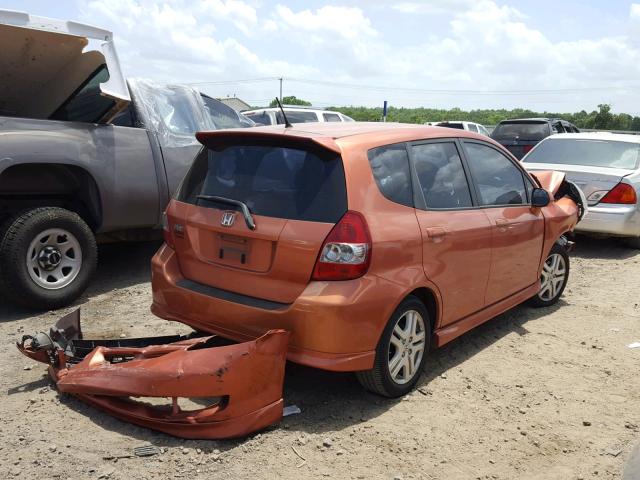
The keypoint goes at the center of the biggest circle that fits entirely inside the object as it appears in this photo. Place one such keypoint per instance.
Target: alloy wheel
(406, 347)
(554, 273)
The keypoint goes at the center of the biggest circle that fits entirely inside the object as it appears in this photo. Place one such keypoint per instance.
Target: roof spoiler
(217, 140)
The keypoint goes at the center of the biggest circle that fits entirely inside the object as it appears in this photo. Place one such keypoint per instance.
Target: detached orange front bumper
(237, 388)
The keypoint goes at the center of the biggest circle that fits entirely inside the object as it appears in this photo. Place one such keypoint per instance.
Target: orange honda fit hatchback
(369, 242)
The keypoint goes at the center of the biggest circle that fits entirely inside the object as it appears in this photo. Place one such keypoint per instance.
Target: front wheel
(47, 258)
(401, 352)
(554, 277)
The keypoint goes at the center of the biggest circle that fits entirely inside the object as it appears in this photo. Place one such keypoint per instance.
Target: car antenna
(286, 120)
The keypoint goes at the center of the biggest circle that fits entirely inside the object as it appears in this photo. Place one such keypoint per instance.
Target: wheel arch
(430, 300)
(31, 185)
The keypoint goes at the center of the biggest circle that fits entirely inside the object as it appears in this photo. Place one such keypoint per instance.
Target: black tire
(379, 379)
(538, 301)
(19, 231)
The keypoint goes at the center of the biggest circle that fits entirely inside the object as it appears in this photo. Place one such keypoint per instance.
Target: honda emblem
(227, 219)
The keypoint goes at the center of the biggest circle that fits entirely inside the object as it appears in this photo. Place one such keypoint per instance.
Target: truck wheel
(401, 352)
(47, 257)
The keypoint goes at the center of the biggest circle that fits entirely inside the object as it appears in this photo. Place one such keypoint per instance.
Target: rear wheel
(47, 257)
(401, 352)
(554, 277)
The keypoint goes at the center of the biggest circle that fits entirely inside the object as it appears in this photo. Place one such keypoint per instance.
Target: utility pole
(280, 89)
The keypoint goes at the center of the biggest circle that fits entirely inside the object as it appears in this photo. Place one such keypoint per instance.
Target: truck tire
(47, 257)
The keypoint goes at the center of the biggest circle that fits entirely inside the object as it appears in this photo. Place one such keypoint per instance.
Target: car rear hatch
(520, 137)
(253, 211)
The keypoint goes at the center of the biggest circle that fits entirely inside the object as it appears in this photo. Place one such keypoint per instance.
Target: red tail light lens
(621, 193)
(527, 148)
(346, 252)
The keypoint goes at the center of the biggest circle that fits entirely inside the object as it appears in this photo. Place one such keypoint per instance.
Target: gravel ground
(532, 394)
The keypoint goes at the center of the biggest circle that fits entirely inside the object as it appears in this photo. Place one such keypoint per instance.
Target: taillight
(527, 148)
(346, 252)
(621, 193)
(166, 230)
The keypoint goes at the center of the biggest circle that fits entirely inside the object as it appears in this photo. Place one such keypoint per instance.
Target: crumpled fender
(246, 380)
(550, 180)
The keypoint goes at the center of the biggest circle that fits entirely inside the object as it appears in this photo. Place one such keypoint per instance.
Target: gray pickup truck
(85, 156)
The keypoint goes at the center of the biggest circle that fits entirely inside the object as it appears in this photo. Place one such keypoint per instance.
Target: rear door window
(498, 180)
(473, 128)
(390, 167)
(331, 117)
(272, 181)
(295, 116)
(441, 176)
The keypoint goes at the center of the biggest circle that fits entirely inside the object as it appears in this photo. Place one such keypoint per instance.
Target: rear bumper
(618, 220)
(334, 325)
(236, 388)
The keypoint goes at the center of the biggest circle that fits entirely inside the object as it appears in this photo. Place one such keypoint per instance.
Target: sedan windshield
(593, 153)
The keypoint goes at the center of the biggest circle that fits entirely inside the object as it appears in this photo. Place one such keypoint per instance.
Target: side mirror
(539, 198)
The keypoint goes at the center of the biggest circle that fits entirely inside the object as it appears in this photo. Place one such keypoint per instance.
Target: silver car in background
(606, 167)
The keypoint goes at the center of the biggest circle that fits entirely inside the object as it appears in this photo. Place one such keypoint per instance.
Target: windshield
(271, 181)
(523, 130)
(593, 153)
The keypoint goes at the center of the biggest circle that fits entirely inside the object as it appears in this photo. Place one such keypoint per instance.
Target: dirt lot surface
(544, 394)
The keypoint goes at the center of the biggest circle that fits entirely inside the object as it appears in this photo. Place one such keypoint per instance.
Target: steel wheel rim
(554, 274)
(406, 347)
(54, 259)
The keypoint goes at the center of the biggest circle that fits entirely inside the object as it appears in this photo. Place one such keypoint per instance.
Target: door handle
(504, 224)
(436, 233)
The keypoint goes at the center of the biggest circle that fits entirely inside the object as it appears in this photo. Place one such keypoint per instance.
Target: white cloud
(346, 22)
(482, 46)
(432, 7)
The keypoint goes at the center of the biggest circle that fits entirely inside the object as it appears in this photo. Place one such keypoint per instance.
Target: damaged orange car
(369, 242)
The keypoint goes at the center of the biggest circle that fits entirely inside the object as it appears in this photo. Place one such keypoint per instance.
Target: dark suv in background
(521, 135)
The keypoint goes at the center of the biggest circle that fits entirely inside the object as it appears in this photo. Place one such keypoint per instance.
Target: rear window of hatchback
(271, 180)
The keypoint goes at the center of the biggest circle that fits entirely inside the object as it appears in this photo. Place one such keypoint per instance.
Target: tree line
(601, 119)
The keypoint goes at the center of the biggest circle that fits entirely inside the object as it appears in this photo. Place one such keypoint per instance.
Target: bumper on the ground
(232, 389)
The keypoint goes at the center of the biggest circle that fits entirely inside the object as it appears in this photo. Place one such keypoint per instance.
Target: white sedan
(606, 167)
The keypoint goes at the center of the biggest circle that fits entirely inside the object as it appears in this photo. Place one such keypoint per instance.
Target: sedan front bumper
(236, 387)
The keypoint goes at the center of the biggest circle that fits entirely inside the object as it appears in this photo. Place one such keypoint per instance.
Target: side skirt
(452, 331)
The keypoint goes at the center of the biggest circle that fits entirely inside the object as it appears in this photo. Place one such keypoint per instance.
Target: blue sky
(558, 56)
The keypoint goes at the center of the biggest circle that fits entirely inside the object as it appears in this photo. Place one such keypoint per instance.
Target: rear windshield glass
(523, 130)
(458, 126)
(272, 181)
(593, 153)
(87, 104)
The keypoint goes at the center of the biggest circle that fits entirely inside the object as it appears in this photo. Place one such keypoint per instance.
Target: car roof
(287, 107)
(617, 137)
(334, 135)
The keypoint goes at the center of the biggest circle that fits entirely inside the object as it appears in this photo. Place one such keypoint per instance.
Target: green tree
(291, 100)
(603, 119)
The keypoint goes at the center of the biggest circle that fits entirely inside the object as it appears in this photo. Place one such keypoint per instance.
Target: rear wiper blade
(248, 218)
